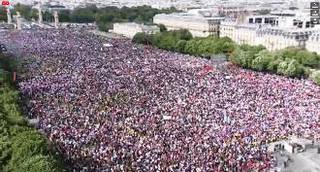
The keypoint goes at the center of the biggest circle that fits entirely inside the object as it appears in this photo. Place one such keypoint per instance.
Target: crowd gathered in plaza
(109, 104)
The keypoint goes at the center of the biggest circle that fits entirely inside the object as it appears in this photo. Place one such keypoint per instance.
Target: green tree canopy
(307, 58)
(315, 76)
(180, 46)
(3, 14)
(295, 69)
(142, 38)
(282, 67)
(262, 60)
(162, 28)
(24, 10)
(22, 148)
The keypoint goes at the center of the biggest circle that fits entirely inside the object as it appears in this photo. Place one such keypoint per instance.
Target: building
(241, 34)
(295, 154)
(313, 43)
(275, 31)
(130, 29)
(200, 23)
(272, 38)
(87, 26)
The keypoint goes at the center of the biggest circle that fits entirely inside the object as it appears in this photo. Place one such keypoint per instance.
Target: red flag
(206, 70)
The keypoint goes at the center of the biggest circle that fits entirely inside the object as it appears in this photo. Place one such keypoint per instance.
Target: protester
(134, 108)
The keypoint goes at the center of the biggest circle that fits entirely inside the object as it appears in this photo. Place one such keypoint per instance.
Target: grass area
(22, 148)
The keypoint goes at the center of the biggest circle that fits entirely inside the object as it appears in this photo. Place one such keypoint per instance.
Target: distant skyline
(159, 3)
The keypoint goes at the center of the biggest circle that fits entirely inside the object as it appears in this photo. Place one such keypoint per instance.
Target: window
(308, 24)
(269, 21)
(258, 20)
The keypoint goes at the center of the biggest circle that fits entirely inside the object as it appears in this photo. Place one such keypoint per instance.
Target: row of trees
(315, 76)
(183, 42)
(26, 11)
(292, 62)
(104, 17)
(22, 148)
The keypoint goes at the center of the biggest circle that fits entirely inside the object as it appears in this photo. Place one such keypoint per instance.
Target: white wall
(130, 29)
(249, 35)
(198, 27)
(313, 44)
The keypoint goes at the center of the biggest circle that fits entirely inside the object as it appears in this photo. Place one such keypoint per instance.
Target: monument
(9, 16)
(40, 15)
(56, 19)
(18, 21)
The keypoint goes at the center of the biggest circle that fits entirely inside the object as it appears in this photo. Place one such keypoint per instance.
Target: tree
(282, 67)
(5, 151)
(263, 59)
(294, 69)
(246, 59)
(105, 20)
(83, 15)
(2, 76)
(34, 14)
(244, 55)
(315, 76)
(5, 144)
(273, 65)
(182, 34)
(243, 58)
(180, 46)
(24, 10)
(253, 49)
(3, 14)
(37, 163)
(22, 148)
(289, 53)
(47, 16)
(191, 47)
(225, 46)
(25, 145)
(142, 38)
(28, 143)
(206, 46)
(64, 16)
(168, 41)
(307, 58)
(162, 28)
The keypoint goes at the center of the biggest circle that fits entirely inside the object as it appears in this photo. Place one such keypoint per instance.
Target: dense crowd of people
(129, 107)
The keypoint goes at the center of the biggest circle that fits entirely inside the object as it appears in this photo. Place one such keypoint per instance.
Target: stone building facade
(273, 32)
(198, 25)
(130, 29)
(313, 43)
